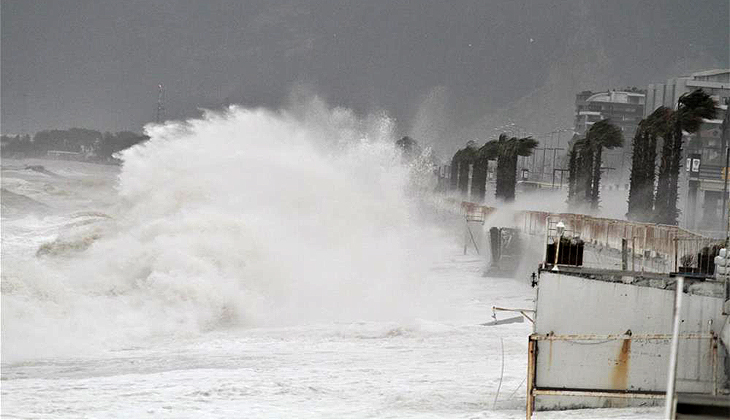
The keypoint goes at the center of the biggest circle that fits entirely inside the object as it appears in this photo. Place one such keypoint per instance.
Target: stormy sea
(253, 263)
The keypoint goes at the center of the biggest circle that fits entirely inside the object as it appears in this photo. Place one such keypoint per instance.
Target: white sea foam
(246, 217)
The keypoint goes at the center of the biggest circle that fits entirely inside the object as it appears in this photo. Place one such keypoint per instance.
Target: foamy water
(250, 263)
(246, 218)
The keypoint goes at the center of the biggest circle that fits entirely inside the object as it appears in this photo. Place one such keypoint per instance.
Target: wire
(516, 389)
(501, 343)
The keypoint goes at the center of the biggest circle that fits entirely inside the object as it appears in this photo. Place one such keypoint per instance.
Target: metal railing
(648, 247)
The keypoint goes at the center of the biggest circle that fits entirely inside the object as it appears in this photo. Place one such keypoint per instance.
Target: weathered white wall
(574, 305)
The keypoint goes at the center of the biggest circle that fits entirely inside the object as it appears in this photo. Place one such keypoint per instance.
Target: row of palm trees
(652, 194)
(505, 150)
(648, 203)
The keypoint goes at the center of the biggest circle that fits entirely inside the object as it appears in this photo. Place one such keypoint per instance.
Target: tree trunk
(585, 176)
(464, 177)
(479, 180)
(572, 175)
(649, 177)
(453, 181)
(660, 201)
(676, 163)
(500, 190)
(596, 187)
(665, 205)
(506, 177)
(643, 176)
(637, 180)
(513, 178)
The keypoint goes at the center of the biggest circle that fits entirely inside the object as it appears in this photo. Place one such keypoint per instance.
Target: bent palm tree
(506, 150)
(573, 169)
(643, 164)
(601, 135)
(692, 108)
(460, 162)
(479, 178)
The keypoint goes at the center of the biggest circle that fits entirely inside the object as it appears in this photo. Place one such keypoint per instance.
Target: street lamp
(560, 227)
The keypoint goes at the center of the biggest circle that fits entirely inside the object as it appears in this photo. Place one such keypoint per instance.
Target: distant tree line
(80, 143)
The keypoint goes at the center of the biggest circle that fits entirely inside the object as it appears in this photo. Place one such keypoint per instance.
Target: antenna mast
(160, 103)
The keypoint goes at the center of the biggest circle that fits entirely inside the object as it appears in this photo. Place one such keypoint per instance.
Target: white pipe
(672, 374)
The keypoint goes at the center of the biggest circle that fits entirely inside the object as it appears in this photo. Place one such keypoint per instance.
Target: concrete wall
(568, 305)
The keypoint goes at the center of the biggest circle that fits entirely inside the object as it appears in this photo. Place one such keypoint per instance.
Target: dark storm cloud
(97, 63)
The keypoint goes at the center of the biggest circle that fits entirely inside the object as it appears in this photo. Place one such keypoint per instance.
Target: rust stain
(620, 377)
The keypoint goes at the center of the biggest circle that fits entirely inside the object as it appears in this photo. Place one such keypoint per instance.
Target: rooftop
(693, 284)
(710, 72)
(616, 97)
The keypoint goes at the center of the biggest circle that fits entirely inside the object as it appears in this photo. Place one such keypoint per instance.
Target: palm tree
(479, 178)
(641, 185)
(692, 108)
(580, 166)
(506, 150)
(573, 169)
(643, 164)
(601, 135)
(460, 166)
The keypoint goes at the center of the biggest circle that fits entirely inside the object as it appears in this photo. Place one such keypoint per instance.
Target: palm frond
(693, 107)
(525, 146)
(604, 134)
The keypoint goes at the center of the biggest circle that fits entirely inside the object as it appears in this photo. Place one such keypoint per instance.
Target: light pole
(560, 227)
(724, 194)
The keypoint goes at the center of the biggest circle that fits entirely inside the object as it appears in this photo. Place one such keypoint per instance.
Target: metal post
(725, 219)
(669, 406)
(160, 117)
(633, 250)
(552, 187)
(531, 359)
(542, 168)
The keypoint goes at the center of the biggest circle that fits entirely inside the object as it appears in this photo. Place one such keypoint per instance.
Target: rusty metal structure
(602, 338)
(621, 244)
(616, 387)
(601, 334)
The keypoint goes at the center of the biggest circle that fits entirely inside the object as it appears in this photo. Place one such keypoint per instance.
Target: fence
(636, 246)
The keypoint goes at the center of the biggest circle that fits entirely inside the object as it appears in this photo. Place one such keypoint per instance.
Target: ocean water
(251, 263)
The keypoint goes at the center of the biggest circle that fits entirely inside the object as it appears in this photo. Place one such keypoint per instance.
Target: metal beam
(601, 337)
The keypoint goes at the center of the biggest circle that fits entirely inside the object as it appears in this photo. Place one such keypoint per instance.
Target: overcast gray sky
(97, 64)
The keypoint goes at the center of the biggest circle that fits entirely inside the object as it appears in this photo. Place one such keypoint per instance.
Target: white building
(714, 82)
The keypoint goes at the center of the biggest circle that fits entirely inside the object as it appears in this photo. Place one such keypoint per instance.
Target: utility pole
(561, 176)
(555, 154)
(725, 133)
(544, 151)
(160, 104)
